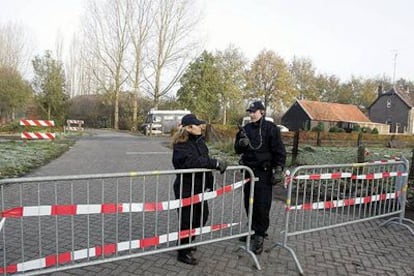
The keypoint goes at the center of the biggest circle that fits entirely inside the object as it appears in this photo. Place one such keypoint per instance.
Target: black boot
(244, 238)
(186, 257)
(257, 245)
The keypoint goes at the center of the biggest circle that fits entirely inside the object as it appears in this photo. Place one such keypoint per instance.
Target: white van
(282, 128)
(246, 120)
(160, 122)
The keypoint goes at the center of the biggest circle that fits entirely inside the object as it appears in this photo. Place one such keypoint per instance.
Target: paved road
(359, 249)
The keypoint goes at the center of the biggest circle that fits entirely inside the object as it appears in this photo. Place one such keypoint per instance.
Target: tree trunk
(116, 109)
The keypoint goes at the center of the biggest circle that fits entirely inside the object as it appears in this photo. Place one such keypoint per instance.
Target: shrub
(319, 128)
(374, 131)
(336, 129)
(11, 127)
(366, 130)
(356, 128)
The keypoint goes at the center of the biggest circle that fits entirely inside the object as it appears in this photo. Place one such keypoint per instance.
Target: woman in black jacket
(190, 151)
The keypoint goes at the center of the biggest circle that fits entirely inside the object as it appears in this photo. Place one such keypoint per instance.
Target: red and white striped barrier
(389, 157)
(75, 122)
(71, 125)
(39, 123)
(339, 175)
(38, 135)
(110, 208)
(343, 202)
(109, 249)
(71, 128)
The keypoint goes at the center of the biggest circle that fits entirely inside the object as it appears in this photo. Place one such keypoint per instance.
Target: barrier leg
(247, 249)
(291, 251)
(399, 221)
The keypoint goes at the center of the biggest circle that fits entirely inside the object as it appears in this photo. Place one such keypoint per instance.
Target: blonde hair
(180, 136)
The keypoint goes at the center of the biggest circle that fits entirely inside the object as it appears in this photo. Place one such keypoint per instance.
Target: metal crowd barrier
(329, 196)
(51, 224)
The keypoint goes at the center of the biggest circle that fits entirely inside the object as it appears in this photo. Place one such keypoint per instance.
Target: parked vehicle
(159, 122)
(246, 120)
(283, 128)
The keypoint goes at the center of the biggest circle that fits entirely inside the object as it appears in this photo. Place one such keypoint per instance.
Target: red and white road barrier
(71, 125)
(39, 123)
(78, 122)
(71, 128)
(109, 249)
(38, 135)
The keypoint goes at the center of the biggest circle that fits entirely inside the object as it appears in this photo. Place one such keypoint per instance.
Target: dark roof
(333, 112)
(406, 96)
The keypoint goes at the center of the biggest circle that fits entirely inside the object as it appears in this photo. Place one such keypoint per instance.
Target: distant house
(305, 115)
(394, 108)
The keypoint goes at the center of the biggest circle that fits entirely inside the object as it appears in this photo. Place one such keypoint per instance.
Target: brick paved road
(359, 249)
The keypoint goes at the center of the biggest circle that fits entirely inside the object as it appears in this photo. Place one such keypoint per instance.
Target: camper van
(159, 122)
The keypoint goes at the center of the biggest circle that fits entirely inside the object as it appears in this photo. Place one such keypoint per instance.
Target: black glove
(244, 142)
(277, 176)
(243, 139)
(221, 166)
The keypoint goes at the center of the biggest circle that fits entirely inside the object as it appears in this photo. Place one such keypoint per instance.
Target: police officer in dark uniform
(261, 149)
(190, 151)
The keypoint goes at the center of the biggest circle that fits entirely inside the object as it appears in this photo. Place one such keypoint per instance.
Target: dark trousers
(262, 201)
(198, 217)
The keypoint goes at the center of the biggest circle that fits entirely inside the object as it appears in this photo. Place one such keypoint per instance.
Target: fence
(37, 134)
(329, 196)
(51, 224)
(74, 125)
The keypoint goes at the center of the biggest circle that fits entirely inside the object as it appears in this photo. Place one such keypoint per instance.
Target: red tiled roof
(333, 112)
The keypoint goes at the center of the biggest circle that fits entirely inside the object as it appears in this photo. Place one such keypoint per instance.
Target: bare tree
(80, 68)
(59, 42)
(175, 22)
(140, 22)
(107, 40)
(14, 52)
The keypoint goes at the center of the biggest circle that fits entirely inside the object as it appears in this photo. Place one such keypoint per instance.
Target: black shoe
(243, 239)
(257, 246)
(187, 259)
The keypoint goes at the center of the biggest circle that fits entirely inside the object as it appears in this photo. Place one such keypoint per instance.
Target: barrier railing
(52, 224)
(328, 196)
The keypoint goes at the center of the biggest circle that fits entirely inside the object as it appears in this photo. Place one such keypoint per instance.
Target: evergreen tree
(49, 86)
(201, 87)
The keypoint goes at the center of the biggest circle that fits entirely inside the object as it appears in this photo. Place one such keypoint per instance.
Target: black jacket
(193, 154)
(266, 149)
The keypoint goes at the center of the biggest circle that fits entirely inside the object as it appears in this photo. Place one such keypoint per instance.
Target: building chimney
(379, 90)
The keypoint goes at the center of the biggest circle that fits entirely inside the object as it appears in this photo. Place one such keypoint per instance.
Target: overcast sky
(341, 37)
